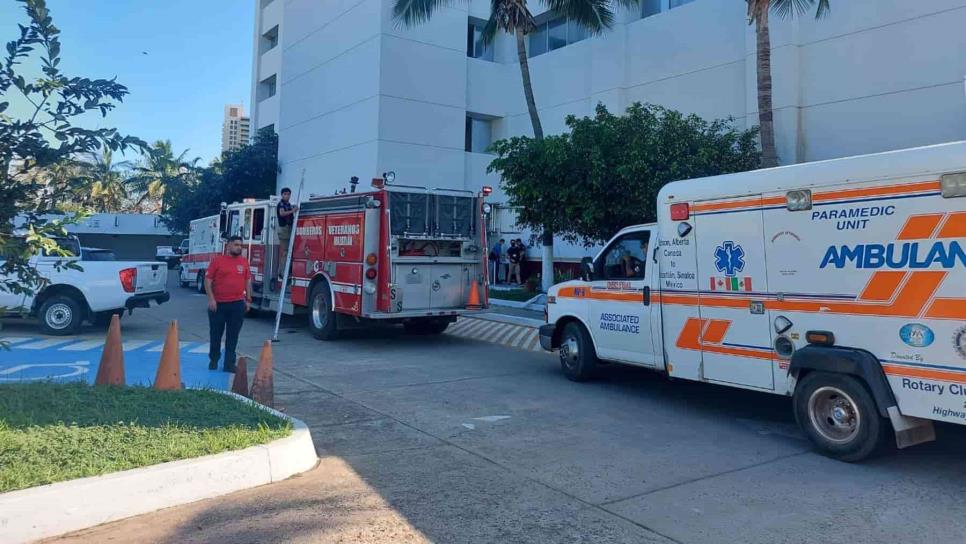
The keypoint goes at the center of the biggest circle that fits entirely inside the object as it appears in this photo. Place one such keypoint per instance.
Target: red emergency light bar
(487, 190)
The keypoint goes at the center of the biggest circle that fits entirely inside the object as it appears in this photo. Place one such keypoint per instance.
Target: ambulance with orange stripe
(841, 283)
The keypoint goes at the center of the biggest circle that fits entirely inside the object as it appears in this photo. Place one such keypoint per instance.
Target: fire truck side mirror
(587, 269)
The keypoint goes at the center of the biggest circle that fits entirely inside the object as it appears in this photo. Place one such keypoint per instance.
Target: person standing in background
(285, 213)
(496, 254)
(513, 256)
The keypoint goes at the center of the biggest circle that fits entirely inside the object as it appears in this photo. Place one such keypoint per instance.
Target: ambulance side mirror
(223, 224)
(587, 269)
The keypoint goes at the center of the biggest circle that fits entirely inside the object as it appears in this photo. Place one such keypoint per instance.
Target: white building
(351, 92)
(235, 128)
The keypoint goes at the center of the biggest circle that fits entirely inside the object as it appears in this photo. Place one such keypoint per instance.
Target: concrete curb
(45, 511)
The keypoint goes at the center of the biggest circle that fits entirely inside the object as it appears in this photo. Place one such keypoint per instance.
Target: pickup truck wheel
(577, 356)
(426, 326)
(61, 315)
(200, 282)
(321, 315)
(839, 416)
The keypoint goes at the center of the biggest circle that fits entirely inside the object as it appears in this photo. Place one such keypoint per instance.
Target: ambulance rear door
(734, 335)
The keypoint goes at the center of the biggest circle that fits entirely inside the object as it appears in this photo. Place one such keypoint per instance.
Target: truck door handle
(647, 295)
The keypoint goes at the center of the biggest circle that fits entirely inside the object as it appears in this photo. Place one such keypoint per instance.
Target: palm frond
(413, 12)
(594, 15)
(786, 9)
(511, 15)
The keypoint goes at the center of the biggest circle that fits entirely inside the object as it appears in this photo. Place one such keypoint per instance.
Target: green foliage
(52, 432)
(44, 138)
(159, 172)
(249, 172)
(606, 172)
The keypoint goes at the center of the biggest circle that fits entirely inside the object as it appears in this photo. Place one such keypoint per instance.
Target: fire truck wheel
(321, 316)
(839, 416)
(200, 282)
(426, 326)
(578, 359)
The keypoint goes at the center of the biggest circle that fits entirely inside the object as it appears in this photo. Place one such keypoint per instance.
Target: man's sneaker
(213, 364)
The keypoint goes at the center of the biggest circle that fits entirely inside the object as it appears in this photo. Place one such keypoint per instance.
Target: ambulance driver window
(626, 257)
(258, 223)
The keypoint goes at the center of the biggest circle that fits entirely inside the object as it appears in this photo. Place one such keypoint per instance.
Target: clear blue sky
(199, 58)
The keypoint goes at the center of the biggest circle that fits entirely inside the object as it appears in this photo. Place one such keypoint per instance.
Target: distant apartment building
(235, 129)
(352, 92)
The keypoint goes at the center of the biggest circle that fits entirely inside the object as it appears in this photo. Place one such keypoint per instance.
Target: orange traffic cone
(263, 386)
(474, 302)
(239, 383)
(111, 369)
(169, 369)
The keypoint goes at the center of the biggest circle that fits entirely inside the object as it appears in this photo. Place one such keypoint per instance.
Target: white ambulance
(841, 283)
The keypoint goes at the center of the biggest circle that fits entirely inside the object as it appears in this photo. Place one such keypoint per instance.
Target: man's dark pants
(227, 320)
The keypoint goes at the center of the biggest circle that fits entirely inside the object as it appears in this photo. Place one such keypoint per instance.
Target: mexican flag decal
(732, 283)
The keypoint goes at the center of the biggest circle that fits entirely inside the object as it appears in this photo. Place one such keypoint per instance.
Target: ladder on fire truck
(287, 265)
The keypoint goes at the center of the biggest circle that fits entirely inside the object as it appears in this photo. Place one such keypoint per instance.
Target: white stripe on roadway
(44, 344)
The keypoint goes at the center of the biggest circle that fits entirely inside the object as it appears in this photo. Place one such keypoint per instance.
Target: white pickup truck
(100, 290)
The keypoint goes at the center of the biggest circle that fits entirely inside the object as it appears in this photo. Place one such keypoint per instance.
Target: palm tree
(758, 14)
(159, 170)
(107, 183)
(514, 18)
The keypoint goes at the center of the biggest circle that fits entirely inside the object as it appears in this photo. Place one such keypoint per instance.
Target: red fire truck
(395, 254)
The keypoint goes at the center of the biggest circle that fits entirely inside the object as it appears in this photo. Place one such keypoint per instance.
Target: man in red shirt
(228, 282)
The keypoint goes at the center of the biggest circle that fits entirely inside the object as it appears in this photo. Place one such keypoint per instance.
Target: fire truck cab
(839, 283)
(395, 254)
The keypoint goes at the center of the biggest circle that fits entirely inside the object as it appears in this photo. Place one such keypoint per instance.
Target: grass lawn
(519, 295)
(54, 432)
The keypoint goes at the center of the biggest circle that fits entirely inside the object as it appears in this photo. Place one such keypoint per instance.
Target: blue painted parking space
(77, 358)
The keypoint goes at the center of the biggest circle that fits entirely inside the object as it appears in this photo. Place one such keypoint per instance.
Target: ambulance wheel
(181, 280)
(577, 356)
(200, 282)
(321, 315)
(426, 326)
(839, 416)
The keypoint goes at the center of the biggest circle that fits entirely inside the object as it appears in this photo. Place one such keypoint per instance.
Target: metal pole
(288, 258)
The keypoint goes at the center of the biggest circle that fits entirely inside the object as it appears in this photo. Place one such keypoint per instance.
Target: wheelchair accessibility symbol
(44, 371)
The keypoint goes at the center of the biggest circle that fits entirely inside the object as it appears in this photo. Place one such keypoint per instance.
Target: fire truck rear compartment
(432, 286)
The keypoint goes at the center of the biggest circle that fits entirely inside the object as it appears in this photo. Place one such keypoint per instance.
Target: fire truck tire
(578, 359)
(200, 282)
(322, 320)
(839, 416)
(426, 326)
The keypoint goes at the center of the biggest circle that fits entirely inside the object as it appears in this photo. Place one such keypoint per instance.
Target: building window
(678, 3)
(475, 48)
(650, 7)
(266, 89)
(554, 34)
(269, 40)
(479, 134)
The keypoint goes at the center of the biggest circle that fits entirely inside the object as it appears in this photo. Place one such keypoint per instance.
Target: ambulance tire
(322, 320)
(578, 359)
(839, 416)
(200, 282)
(181, 280)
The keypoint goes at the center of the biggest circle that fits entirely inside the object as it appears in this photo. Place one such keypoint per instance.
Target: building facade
(351, 92)
(235, 129)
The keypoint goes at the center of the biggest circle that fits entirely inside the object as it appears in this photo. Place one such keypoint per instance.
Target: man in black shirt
(285, 212)
(515, 255)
